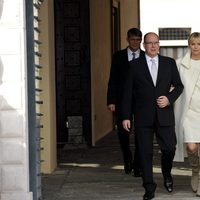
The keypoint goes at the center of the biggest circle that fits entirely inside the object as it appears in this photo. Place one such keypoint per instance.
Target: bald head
(151, 44)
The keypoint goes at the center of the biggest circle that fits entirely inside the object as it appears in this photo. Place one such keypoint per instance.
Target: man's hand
(111, 107)
(126, 124)
(162, 101)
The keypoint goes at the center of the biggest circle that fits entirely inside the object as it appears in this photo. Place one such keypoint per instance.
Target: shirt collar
(130, 55)
(149, 58)
(130, 51)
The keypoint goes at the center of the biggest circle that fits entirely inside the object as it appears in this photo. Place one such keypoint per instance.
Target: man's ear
(143, 45)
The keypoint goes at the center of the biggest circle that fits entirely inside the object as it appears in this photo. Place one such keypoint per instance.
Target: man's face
(151, 45)
(134, 42)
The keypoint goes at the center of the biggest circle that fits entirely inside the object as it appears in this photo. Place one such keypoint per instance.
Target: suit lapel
(161, 68)
(125, 56)
(147, 73)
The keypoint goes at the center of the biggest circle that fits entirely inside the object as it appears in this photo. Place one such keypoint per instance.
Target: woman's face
(195, 46)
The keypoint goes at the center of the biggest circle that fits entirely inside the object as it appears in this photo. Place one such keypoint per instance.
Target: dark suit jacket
(140, 91)
(118, 73)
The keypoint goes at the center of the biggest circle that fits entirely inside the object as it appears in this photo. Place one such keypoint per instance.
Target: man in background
(118, 73)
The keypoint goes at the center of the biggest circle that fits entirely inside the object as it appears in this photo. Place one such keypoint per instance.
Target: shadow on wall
(3, 102)
(1, 7)
(11, 137)
(11, 117)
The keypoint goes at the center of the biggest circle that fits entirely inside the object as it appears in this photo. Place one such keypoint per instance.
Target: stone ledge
(16, 196)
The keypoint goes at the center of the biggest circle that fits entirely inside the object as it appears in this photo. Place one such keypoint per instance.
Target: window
(174, 33)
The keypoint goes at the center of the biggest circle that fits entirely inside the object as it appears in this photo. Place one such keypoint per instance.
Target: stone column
(14, 166)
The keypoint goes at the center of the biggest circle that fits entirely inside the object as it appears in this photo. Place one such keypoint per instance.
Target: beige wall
(129, 17)
(100, 30)
(48, 86)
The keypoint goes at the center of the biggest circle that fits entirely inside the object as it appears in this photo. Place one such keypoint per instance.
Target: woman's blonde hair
(194, 35)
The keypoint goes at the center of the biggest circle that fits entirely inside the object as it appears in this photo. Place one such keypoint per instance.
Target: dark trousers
(124, 140)
(166, 139)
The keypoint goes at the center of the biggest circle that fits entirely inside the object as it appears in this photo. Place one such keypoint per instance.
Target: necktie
(154, 71)
(133, 56)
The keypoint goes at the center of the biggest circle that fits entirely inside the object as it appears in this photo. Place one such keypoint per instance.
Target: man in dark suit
(118, 73)
(153, 85)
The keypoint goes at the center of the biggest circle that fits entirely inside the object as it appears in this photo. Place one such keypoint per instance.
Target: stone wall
(14, 173)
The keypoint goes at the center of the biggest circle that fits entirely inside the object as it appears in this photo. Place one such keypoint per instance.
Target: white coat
(189, 77)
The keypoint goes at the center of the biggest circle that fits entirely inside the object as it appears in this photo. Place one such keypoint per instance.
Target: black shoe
(148, 195)
(128, 167)
(137, 173)
(150, 189)
(168, 183)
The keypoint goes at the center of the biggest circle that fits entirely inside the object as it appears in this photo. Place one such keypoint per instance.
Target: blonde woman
(187, 109)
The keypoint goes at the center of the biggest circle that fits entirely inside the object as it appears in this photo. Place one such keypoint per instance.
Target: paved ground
(96, 174)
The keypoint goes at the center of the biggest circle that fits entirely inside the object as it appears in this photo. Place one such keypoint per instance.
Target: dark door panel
(73, 71)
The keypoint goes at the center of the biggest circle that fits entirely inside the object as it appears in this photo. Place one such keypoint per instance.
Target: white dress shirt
(130, 54)
(149, 63)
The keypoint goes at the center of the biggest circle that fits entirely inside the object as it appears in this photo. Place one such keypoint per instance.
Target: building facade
(31, 82)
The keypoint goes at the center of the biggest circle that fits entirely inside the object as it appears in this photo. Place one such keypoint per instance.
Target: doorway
(73, 95)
